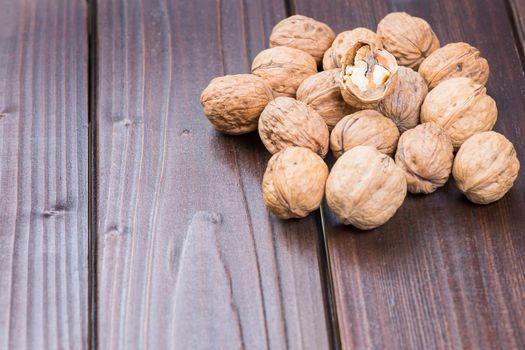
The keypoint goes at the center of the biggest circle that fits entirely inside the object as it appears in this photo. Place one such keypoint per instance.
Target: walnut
(303, 33)
(343, 42)
(368, 75)
(425, 154)
(233, 103)
(365, 188)
(288, 122)
(366, 127)
(485, 167)
(321, 92)
(410, 39)
(461, 107)
(294, 181)
(454, 60)
(404, 103)
(284, 68)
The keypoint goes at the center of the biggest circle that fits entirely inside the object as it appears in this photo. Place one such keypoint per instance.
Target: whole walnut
(321, 92)
(425, 154)
(365, 188)
(461, 107)
(303, 33)
(368, 74)
(288, 122)
(410, 39)
(294, 181)
(486, 167)
(284, 68)
(367, 127)
(343, 42)
(452, 61)
(233, 103)
(404, 103)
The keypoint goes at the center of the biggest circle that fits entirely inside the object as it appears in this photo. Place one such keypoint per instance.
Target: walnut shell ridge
(367, 127)
(368, 99)
(453, 61)
(365, 188)
(303, 33)
(321, 92)
(284, 69)
(343, 42)
(461, 107)
(425, 154)
(294, 182)
(486, 167)
(410, 39)
(287, 122)
(233, 103)
(403, 105)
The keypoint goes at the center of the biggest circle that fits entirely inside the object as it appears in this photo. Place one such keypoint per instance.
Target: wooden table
(128, 222)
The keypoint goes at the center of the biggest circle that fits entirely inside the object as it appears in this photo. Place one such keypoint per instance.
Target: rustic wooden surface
(443, 273)
(517, 16)
(185, 254)
(43, 178)
(188, 256)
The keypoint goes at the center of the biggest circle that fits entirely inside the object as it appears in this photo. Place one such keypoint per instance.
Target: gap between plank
(92, 172)
(517, 31)
(323, 256)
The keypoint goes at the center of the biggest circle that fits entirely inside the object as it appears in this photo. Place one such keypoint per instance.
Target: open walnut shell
(486, 167)
(404, 103)
(410, 39)
(368, 75)
(284, 69)
(294, 181)
(425, 154)
(303, 33)
(367, 127)
(453, 61)
(343, 42)
(287, 122)
(321, 92)
(365, 188)
(461, 107)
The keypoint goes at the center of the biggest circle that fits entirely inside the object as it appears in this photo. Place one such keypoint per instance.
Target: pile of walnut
(393, 106)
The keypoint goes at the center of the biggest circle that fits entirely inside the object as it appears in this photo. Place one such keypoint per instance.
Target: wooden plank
(443, 273)
(517, 9)
(188, 256)
(43, 178)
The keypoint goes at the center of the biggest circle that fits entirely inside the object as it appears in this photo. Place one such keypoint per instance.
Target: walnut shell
(343, 42)
(369, 97)
(365, 188)
(461, 107)
(404, 103)
(284, 68)
(321, 92)
(303, 33)
(233, 103)
(366, 127)
(288, 122)
(294, 181)
(425, 154)
(452, 61)
(410, 39)
(486, 167)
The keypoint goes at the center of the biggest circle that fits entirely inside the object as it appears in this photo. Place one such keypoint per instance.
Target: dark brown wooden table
(127, 222)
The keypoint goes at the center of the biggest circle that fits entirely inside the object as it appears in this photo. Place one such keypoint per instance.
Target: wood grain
(43, 178)
(188, 256)
(443, 273)
(517, 17)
